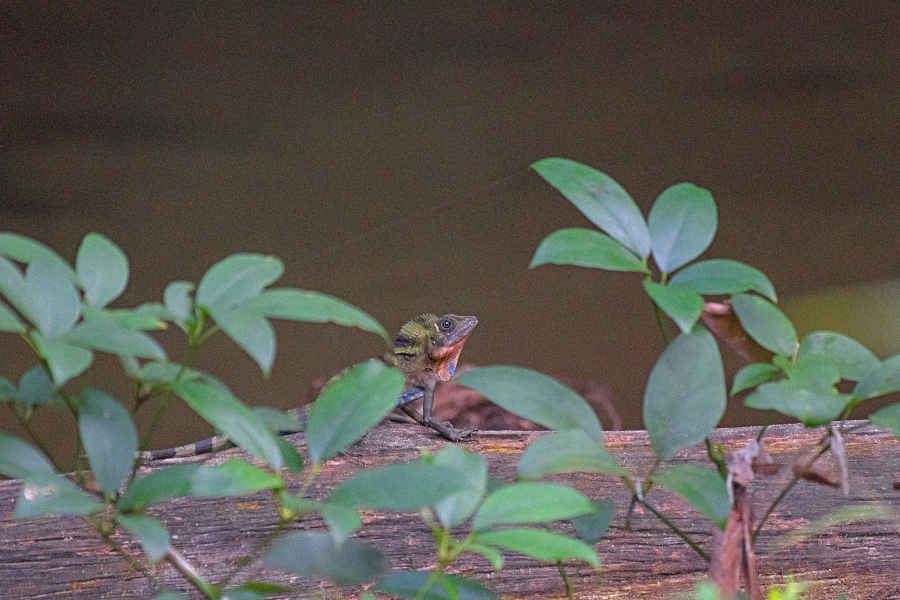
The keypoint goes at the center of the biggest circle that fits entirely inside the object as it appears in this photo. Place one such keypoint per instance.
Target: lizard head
(438, 339)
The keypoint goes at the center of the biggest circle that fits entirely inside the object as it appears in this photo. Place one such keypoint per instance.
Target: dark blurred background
(382, 151)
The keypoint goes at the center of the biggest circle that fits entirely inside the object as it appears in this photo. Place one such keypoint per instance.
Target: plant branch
(565, 578)
(696, 548)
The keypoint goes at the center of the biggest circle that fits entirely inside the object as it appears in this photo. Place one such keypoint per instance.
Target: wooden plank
(64, 558)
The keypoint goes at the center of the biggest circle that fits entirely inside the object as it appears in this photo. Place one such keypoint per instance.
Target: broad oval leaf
(26, 250)
(410, 584)
(342, 520)
(566, 452)
(593, 526)
(811, 406)
(530, 503)
(169, 482)
(36, 388)
(454, 509)
(12, 285)
(109, 438)
(683, 305)
(53, 300)
(151, 534)
(888, 417)
(765, 323)
(102, 269)
(237, 278)
(235, 477)
(252, 332)
(685, 395)
(399, 487)
(9, 321)
(65, 361)
(682, 224)
(312, 307)
(534, 396)
(585, 248)
(177, 299)
(702, 488)
(884, 379)
(599, 198)
(723, 276)
(854, 361)
(314, 554)
(19, 460)
(43, 495)
(101, 332)
(752, 376)
(349, 405)
(540, 544)
(147, 316)
(230, 416)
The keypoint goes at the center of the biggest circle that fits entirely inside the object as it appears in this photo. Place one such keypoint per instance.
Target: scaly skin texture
(426, 351)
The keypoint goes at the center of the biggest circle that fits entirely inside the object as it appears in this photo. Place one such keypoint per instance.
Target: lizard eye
(446, 325)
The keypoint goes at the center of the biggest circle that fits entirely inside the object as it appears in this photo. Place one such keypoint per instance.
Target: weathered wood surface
(63, 558)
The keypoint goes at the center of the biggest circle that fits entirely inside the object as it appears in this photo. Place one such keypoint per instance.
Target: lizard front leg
(445, 429)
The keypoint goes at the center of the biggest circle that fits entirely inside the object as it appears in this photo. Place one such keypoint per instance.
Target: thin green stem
(634, 495)
(762, 432)
(677, 531)
(131, 561)
(26, 425)
(565, 578)
(659, 323)
(190, 573)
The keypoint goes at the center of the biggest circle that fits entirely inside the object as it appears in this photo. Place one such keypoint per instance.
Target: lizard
(426, 351)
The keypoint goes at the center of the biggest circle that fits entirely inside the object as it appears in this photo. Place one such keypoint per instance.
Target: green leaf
(292, 459)
(888, 417)
(263, 588)
(314, 554)
(812, 407)
(490, 553)
(65, 361)
(229, 415)
(765, 323)
(19, 460)
(854, 361)
(100, 332)
(566, 452)
(534, 396)
(599, 198)
(178, 300)
(36, 388)
(277, 420)
(237, 278)
(884, 379)
(342, 521)
(250, 331)
(235, 477)
(454, 509)
(399, 487)
(753, 375)
(12, 285)
(151, 534)
(530, 503)
(540, 544)
(683, 305)
(685, 395)
(147, 316)
(109, 438)
(312, 307)
(53, 495)
(169, 482)
(585, 248)
(102, 269)
(702, 488)
(407, 584)
(682, 224)
(723, 276)
(53, 301)
(9, 321)
(591, 527)
(349, 405)
(7, 390)
(170, 596)
(26, 250)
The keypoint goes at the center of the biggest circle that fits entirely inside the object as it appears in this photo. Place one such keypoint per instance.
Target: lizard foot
(446, 429)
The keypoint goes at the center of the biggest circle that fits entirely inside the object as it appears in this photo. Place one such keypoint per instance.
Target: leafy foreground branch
(62, 316)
